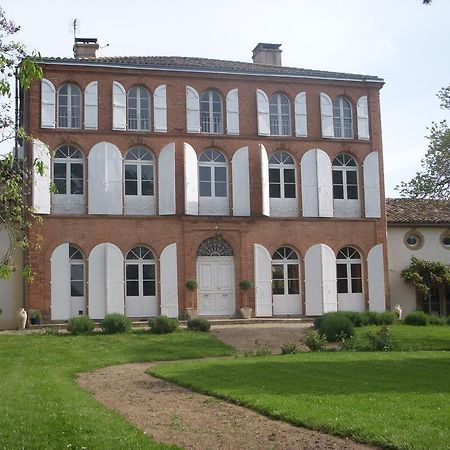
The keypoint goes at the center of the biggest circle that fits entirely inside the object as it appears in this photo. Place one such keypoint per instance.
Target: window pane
(204, 173)
(132, 271)
(76, 186)
(338, 192)
(59, 170)
(341, 270)
(356, 270)
(147, 172)
(132, 288)
(293, 271)
(148, 271)
(357, 286)
(221, 190)
(351, 177)
(60, 186)
(289, 175)
(76, 272)
(277, 272)
(220, 174)
(337, 177)
(278, 287)
(342, 287)
(130, 187)
(293, 287)
(149, 288)
(76, 170)
(289, 190)
(274, 191)
(147, 188)
(205, 189)
(130, 172)
(76, 289)
(274, 175)
(352, 192)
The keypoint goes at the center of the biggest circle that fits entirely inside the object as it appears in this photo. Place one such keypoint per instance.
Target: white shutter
(60, 283)
(265, 181)
(160, 109)
(41, 183)
(362, 110)
(372, 194)
(263, 282)
(169, 281)
(241, 183)
(233, 112)
(190, 181)
(119, 107)
(262, 103)
(375, 268)
(91, 106)
(166, 178)
(310, 198)
(48, 104)
(192, 110)
(106, 289)
(326, 111)
(301, 122)
(320, 280)
(325, 184)
(105, 179)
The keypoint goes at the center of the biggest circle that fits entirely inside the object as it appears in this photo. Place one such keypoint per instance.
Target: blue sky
(402, 41)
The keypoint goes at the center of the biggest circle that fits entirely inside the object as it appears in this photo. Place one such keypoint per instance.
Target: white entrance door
(215, 285)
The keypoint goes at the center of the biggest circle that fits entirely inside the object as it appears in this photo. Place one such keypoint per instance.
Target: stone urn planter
(191, 313)
(21, 318)
(246, 311)
(191, 310)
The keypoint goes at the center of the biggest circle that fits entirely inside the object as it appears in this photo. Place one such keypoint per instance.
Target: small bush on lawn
(387, 317)
(355, 317)
(348, 344)
(318, 321)
(116, 323)
(436, 320)
(335, 325)
(380, 341)
(371, 318)
(418, 318)
(288, 349)
(80, 325)
(316, 342)
(198, 324)
(162, 325)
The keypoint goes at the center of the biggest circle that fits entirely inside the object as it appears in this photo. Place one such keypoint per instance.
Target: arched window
(138, 109)
(214, 247)
(281, 176)
(213, 183)
(139, 172)
(211, 115)
(342, 118)
(69, 106)
(68, 172)
(349, 271)
(285, 272)
(345, 177)
(140, 269)
(280, 115)
(76, 272)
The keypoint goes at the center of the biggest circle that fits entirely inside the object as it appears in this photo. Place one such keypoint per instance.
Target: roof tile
(417, 211)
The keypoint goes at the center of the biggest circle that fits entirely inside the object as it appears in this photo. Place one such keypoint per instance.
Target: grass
(41, 405)
(396, 400)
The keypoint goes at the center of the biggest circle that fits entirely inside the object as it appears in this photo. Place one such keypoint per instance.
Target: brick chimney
(85, 47)
(269, 54)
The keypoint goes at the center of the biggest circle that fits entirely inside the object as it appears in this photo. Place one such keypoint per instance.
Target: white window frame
(208, 117)
(280, 123)
(141, 252)
(284, 260)
(345, 166)
(339, 118)
(348, 257)
(69, 107)
(76, 258)
(142, 104)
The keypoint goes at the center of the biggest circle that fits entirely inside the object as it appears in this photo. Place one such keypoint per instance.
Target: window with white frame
(68, 171)
(280, 115)
(281, 176)
(285, 272)
(211, 112)
(342, 118)
(138, 109)
(345, 177)
(139, 172)
(349, 271)
(69, 106)
(76, 272)
(140, 270)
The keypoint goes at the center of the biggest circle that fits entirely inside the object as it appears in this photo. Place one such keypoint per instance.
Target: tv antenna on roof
(74, 25)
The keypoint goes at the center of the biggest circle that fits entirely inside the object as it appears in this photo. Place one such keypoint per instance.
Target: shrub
(436, 320)
(80, 325)
(418, 318)
(387, 318)
(162, 324)
(316, 342)
(371, 318)
(348, 344)
(355, 317)
(335, 325)
(380, 341)
(318, 322)
(116, 323)
(288, 349)
(198, 324)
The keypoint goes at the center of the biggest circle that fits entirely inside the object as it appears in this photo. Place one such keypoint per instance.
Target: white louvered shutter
(166, 174)
(192, 110)
(371, 172)
(119, 107)
(263, 282)
(169, 281)
(48, 104)
(97, 282)
(362, 111)
(160, 109)
(325, 184)
(190, 181)
(241, 183)
(262, 103)
(41, 183)
(329, 279)
(265, 181)
(60, 283)
(310, 198)
(375, 267)
(105, 179)
(232, 102)
(326, 112)
(115, 295)
(301, 122)
(91, 106)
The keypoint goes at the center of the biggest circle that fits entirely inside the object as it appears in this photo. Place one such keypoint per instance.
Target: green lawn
(42, 407)
(398, 400)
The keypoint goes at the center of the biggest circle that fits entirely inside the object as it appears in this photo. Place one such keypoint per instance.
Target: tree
(16, 215)
(434, 179)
